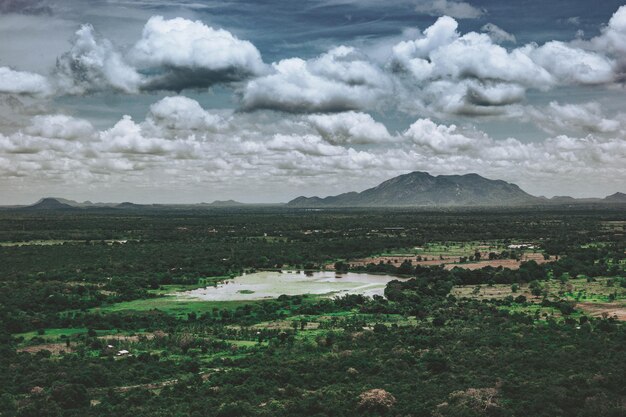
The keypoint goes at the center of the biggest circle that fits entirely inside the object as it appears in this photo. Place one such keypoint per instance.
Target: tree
(8, 406)
(70, 396)
(380, 328)
(376, 400)
(340, 266)
(535, 288)
(435, 362)
(406, 268)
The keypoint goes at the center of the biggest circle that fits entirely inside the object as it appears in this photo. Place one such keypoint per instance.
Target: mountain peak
(616, 198)
(49, 203)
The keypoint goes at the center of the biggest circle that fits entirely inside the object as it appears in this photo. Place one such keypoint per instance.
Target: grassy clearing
(172, 305)
(52, 336)
(169, 289)
(58, 334)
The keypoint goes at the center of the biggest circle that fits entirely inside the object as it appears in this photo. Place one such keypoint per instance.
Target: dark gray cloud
(36, 7)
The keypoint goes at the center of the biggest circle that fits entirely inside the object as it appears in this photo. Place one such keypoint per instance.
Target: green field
(172, 305)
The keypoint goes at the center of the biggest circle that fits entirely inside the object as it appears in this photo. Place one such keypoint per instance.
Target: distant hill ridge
(57, 203)
(225, 203)
(419, 189)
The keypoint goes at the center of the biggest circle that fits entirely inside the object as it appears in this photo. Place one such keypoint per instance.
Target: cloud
(19, 144)
(180, 113)
(171, 55)
(327, 138)
(443, 53)
(349, 128)
(575, 20)
(613, 37)
(588, 117)
(180, 53)
(553, 161)
(441, 33)
(127, 137)
(471, 74)
(612, 41)
(35, 7)
(572, 65)
(458, 9)
(180, 145)
(93, 64)
(339, 80)
(440, 138)
(497, 34)
(470, 97)
(21, 82)
(431, 73)
(307, 144)
(59, 126)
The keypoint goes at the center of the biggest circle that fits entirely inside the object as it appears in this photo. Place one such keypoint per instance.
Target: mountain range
(416, 189)
(57, 203)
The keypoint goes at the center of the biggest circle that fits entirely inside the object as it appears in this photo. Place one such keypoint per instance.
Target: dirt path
(153, 385)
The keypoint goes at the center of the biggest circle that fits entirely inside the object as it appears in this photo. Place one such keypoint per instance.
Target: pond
(262, 285)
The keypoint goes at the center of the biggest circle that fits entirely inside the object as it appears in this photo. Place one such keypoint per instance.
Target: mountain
(616, 198)
(423, 189)
(49, 203)
(223, 203)
(77, 204)
(128, 205)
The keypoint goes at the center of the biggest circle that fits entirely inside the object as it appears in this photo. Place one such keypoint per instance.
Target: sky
(167, 101)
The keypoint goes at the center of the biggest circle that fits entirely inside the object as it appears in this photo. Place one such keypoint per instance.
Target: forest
(90, 324)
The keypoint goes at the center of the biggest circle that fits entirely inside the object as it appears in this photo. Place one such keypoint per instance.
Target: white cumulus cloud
(349, 128)
(440, 138)
(570, 65)
(471, 74)
(613, 37)
(22, 82)
(339, 80)
(183, 114)
(59, 126)
(184, 53)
